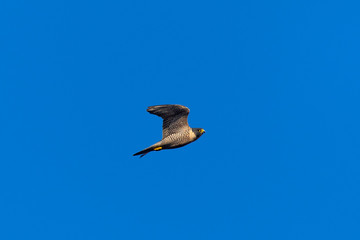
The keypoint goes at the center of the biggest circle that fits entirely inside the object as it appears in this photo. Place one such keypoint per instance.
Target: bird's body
(176, 130)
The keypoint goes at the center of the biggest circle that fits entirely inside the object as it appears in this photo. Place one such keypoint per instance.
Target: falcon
(176, 131)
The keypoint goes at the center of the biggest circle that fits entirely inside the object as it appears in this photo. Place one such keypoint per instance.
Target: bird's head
(198, 132)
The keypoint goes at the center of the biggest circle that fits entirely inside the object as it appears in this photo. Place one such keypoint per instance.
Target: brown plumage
(176, 130)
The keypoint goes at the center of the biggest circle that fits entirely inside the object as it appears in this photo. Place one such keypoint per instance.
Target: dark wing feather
(174, 117)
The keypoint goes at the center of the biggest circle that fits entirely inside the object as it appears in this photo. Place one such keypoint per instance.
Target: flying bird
(176, 131)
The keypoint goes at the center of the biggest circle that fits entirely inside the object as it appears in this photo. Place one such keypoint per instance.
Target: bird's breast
(179, 139)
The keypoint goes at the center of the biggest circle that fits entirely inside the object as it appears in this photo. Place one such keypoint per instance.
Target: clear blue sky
(275, 84)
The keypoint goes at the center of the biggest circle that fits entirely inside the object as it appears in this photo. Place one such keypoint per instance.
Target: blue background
(275, 84)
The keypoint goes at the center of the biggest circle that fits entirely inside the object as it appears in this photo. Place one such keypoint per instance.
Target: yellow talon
(157, 149)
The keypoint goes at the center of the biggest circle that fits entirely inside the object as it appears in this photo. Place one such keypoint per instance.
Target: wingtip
(135, 155)
(143, 152)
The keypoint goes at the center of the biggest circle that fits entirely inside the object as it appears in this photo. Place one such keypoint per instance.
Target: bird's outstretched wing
(174, 117)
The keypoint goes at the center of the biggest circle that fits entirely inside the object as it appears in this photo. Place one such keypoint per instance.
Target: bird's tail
(144, 152)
